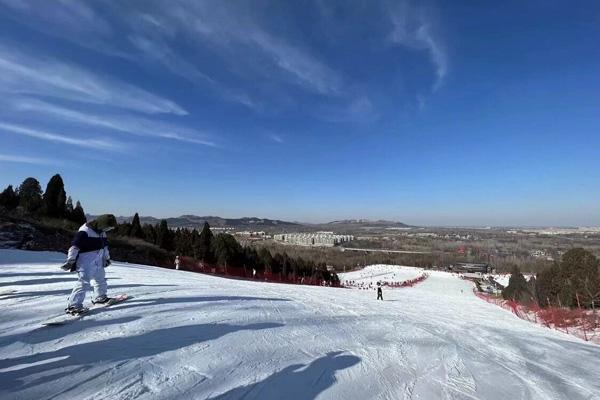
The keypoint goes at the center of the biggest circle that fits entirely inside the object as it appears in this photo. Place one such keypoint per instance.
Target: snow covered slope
(190, 336)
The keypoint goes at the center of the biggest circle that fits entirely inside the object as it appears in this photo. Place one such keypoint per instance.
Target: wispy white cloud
(23, 74)
(75, 21)
(300, 65)
(155, 30)
(91, 143)
(356, 110)
(414, 27)
(132, 125)
(229, 49)
(27, 160)
(276, 138)
(154, 48)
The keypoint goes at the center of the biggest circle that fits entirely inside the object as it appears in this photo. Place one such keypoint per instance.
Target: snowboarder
(88, 255)
(379, 292)
(177, 262)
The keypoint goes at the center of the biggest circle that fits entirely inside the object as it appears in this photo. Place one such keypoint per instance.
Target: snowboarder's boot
(101, 299)
(75, 310)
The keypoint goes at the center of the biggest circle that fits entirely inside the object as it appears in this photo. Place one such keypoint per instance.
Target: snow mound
(192, 336)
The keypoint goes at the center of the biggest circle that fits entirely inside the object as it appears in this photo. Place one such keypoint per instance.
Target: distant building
(471, 268)
(321, 239)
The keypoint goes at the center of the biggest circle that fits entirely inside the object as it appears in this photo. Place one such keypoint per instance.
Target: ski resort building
(322, 239)
(472, 268)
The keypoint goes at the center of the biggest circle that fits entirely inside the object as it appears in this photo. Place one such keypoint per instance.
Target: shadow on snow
(19, 274)
(45, 334)
(297, 381)
(190, 299)
(66, 292)
(113, 350)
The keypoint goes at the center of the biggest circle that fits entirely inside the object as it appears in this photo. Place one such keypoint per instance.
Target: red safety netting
(582, 323)
(246, 273)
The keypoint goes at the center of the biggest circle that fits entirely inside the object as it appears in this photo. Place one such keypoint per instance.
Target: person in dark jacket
(88, 256)
(379, 292)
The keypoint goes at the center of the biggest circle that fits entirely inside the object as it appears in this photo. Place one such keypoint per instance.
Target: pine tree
(9, 199)
(164, 236)
(203, 247)
(55, 197)
(580, 276)
(266, 260)
(136, 228)
(227, 250)
(149, 233)
(183, 242)
(30, 195)
(69, 208)
(548, 286)
(78, 215)
(517, 289)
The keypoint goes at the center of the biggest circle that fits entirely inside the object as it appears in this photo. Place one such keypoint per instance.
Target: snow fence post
(582, 321)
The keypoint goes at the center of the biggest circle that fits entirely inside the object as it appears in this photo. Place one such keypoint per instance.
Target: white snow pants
(87, 272)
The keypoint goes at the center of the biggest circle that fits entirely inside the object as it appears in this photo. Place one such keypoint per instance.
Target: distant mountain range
(195, 221)
(255, 223)
(364, 223)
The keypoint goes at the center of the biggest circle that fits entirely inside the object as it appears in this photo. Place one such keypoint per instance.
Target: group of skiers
(89, 256)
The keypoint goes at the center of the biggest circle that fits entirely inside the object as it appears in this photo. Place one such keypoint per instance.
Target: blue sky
(431, 113)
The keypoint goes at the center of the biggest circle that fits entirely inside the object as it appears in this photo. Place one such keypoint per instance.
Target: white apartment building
(324, 239)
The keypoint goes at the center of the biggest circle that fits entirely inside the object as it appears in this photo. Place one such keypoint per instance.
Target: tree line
(572, 282)
(224, 250)
(29, 200)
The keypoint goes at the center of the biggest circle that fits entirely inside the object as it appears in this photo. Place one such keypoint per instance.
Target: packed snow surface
(191, 336)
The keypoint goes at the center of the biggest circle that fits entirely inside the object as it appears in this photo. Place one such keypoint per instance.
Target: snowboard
(113, 300)
(64, 319)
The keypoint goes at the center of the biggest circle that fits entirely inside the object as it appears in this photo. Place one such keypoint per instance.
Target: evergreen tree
(149, 233)
(203, 246)
(55, 197)
(69, 208)
(9, 199)
(227, 250)
(517, 289)
(266, 260)
(548, 286)
(78, 215)
(30, 195)
(580, 275)
(164, 236)
(123, 229)
(136, 228)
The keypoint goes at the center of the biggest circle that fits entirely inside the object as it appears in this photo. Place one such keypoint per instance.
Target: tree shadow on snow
(41, 281)
(297, 381)
(65, 292)
(24, 274)
(192, 299)
(113, 350)
(47, 334)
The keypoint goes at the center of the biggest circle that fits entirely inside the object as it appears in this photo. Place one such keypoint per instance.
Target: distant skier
(379, 292)
(88, 255)
(177, 262)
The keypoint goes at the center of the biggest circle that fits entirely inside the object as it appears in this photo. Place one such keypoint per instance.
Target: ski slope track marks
(193, 336)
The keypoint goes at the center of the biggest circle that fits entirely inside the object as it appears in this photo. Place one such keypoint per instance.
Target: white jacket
(89, 248)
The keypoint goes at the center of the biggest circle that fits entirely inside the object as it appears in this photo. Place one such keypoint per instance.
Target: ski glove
(69, 266)
(107, 262)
